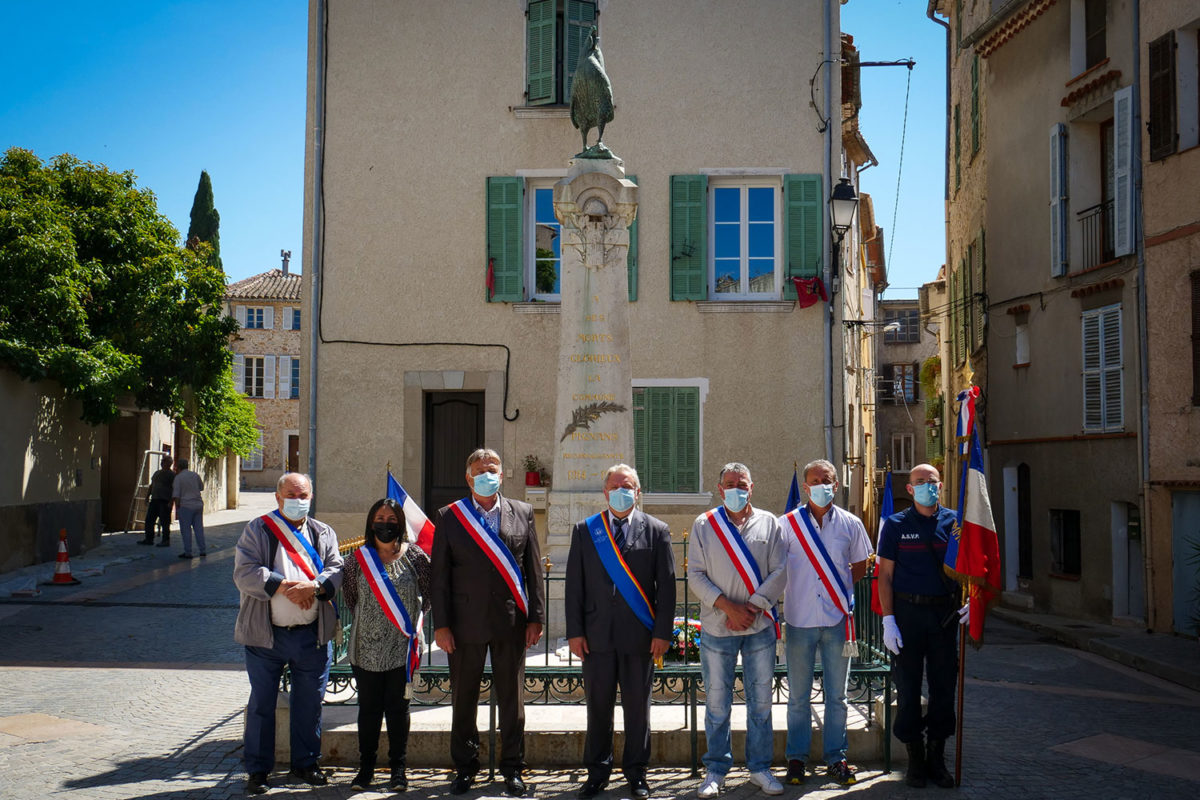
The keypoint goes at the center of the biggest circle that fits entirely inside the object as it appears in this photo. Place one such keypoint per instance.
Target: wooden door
(453, 428)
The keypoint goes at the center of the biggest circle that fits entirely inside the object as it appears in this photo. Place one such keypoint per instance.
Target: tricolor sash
(739, 554)
(618, 571)
(818, 556)
(494, 548)
(297, 546)
(389, 600)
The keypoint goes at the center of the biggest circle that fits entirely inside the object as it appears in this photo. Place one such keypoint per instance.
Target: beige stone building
(267, 368)
(1170, 34)
(1051, 304)
(436, 134)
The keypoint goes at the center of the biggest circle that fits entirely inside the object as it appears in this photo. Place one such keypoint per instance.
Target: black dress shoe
(639, 789)
(256, 783)
(398, 782)
(513, 785)
(462, 782)
(311, 775)
(590, 789)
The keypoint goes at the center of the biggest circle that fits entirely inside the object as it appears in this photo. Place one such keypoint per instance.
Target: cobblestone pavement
(129, 686)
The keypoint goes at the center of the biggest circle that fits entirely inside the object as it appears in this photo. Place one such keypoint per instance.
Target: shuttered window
(1123, 222)
(504, 239)
(1196, 338)
(979, 293)
(1161, 125)
(1059, 207)
(556, 33)
(689, 255)
(957, 148)
(804, 217)
(975, 120)
(1103, 391)
(254, 461)
(666, 432)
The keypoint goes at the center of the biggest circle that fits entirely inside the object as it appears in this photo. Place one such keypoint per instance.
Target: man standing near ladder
(158, 509)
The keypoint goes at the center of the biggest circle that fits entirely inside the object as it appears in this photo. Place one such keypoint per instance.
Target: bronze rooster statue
(591, 98)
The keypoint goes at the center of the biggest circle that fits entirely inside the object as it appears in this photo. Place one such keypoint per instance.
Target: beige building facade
(1044, 311)
(1170, 33)
(267, 368)
(433, 296)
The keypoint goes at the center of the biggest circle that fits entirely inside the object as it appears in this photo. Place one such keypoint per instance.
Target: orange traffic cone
(62, 564)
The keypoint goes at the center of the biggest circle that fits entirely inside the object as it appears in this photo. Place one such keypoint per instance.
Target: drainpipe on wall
(1143, 343)
(314, 324)
(826, 241)
(943, 346)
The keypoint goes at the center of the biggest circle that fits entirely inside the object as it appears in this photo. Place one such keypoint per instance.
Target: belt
(294, 627)
(924, 599)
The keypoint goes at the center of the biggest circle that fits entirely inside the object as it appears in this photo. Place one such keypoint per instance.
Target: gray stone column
(595, 205)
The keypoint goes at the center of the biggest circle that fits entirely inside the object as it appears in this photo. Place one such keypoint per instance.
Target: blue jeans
(718, 657)
(802, 645)
(192, 520)
(296, 648)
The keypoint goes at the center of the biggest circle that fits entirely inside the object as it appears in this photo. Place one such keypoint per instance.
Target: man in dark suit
(487, 595)
(620, 615)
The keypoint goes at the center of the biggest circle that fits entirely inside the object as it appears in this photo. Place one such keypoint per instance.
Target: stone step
(554, 735)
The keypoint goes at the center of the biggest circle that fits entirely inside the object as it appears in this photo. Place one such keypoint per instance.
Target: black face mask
(385, 531)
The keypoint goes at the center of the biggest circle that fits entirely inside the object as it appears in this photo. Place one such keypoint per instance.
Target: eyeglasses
(923, 481)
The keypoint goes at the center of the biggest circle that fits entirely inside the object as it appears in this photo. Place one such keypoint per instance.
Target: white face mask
(295, 508)
(736, 499)
(821, 495)
(621, 500)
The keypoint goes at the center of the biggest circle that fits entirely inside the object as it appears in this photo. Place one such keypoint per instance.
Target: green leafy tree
(97, 294)
(205, 225)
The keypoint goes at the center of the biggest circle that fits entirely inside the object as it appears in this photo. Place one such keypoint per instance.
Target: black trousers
(508, 684)
(158, 511)
(381, 694)
(930, 649)
(602, 674)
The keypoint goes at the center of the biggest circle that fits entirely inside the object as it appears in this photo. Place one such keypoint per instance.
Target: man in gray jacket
(287, 569)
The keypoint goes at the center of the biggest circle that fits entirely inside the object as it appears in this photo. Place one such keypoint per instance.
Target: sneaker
(795, 775)
(766, 781)
(841, 772)
(711, 786)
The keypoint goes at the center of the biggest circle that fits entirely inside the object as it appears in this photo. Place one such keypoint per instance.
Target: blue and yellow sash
(618, 571)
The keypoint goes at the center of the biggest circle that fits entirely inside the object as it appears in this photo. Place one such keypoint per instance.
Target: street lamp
(843, 204)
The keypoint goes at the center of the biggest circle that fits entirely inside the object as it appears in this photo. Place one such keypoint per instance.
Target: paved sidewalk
(1167, 656)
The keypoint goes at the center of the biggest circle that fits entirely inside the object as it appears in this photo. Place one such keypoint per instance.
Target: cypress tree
(205, 221)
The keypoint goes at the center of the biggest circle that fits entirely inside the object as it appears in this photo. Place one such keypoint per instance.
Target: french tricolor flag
(420, 529)
(973, 553)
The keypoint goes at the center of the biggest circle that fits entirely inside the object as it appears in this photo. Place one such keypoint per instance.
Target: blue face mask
(486, 483)
(296, 509)
(621, 500)
(926, 494)
(821, 495)
(736, 499)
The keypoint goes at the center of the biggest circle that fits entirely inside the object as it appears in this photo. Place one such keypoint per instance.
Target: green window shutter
(955, 317)
(659, 469)
(632, 258)
(580, 18)
(689, 239)
(975, 105)
(641, 436)
(504, 238)
(539, 52)
(685, 454)
(980, 295)
(957, 150)
(803, 211)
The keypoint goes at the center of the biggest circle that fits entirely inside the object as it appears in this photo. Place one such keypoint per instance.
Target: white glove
(891, 635)
(964, 615)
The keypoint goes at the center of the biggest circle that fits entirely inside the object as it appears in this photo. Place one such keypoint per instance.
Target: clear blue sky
(167, 89)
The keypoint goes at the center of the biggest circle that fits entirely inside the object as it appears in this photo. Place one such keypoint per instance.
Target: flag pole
(958, 724)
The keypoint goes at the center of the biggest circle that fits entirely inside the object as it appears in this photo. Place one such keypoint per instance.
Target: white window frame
(293, 379)
(905, 440)
(254, 462)
(256, 318)
(1102, 369)
(700, 498)
(248, 388)
(745, 182)
(532, 185)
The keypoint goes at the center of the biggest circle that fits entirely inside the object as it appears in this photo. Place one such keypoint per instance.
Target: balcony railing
(1096, 234)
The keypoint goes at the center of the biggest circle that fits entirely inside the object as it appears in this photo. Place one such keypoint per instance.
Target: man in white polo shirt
(827, 551)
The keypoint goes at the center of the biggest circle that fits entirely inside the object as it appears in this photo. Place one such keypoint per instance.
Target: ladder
(139, 505)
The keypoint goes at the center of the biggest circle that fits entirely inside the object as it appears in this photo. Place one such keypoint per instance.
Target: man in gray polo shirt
(189, 507)
(737, 568)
